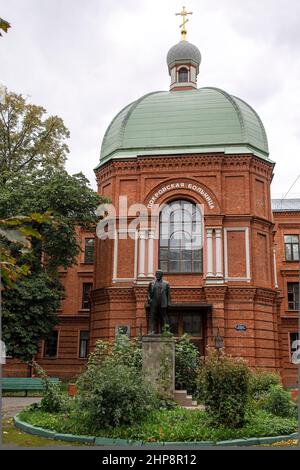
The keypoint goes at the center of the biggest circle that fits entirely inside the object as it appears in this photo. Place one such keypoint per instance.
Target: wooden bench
(17, 384)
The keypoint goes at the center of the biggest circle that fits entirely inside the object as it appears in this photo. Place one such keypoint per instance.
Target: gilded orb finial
(184, 14)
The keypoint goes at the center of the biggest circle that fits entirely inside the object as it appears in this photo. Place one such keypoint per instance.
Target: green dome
(191, 121)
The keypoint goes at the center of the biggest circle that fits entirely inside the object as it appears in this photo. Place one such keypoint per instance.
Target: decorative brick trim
(211, 161)
(140, 293)
(262, 168)
(265, 296)
(246, 294)
(120, 294)
(213, 293)
(188, 294)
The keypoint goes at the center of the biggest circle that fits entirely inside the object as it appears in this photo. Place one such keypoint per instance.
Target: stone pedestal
(159, 362)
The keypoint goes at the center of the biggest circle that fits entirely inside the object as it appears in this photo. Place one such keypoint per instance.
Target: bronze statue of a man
(159, 298)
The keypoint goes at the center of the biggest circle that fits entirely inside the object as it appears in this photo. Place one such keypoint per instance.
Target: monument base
(158, 353)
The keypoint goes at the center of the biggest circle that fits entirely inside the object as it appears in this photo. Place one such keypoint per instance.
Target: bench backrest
(25, 383)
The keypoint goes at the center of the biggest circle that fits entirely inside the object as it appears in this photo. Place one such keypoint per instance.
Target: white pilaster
(136, 241)
(275, 267)
(247, 240)
(151, 253)
(209, 252)
(142, 253)
(115, 254)
(219, 260)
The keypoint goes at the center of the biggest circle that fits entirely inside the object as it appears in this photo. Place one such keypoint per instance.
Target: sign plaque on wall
(241, 327)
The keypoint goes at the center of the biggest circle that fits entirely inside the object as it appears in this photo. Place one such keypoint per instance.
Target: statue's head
(159, 274)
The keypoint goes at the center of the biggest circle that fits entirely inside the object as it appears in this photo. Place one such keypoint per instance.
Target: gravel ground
(12, 405)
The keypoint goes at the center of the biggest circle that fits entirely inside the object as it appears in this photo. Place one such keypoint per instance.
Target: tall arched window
(180, 238)
(183, 75)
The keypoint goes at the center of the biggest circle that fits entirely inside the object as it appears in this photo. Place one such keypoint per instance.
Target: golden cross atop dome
(184, 14)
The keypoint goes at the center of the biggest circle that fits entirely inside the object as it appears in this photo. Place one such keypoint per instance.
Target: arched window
(183, 75)
(180, 238)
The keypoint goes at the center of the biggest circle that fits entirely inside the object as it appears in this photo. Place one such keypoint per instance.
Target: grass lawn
(14, 437)
(178, 424)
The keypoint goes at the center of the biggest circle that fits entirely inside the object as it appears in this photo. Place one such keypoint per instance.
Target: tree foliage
(70, 201)
(16, 234)
(28, 138)
(28, 314)
(4, 26)
(45, 206)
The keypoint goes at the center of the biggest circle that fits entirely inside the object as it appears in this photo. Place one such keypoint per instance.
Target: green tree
(29, 311)
(33, 181)
(4, 26)
(16, 234)
(29, 139)
(68, 198)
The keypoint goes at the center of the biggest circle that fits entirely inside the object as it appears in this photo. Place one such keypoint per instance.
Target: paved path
(12, 405)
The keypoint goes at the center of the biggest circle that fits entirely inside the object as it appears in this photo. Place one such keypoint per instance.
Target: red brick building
(188, 173)
(287, 231)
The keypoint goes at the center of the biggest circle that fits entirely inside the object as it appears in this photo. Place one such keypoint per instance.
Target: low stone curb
(107, 441)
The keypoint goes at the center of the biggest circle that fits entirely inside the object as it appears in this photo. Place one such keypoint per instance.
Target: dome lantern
(183, 60)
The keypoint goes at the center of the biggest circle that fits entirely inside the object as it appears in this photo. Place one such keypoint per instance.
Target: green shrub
(223, 387)
(278, 402)
(186, 364)
(114, 394)
(127, 351)
(124, 350)
(54, 400)
(261, 381)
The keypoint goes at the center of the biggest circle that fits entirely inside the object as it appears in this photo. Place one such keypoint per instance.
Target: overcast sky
(85, 60)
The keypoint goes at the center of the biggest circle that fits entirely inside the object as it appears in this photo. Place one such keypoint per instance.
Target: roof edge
(259, 119)
(233, 149)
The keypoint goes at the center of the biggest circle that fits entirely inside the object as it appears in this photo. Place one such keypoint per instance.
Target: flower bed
(177, 425)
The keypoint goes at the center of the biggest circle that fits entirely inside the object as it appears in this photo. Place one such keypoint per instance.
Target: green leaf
(30, 232)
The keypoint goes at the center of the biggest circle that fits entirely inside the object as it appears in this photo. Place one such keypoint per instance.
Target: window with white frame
(293, 295)
(291, 247)
(180, 238)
